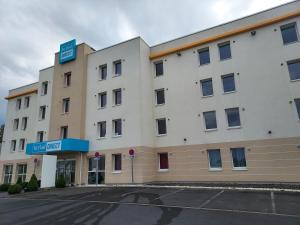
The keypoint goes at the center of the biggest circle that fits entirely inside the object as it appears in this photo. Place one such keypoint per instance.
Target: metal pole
(80, 172)
(97, 171)
(131, 170)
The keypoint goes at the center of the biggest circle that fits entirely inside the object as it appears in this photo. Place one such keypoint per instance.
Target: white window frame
(99, 129)
(114, 93)
(114, 68)
(38, 136)
(238, 168)
(163, 71)
(208, 158)
(203, 80)
(26, 102)
(113, 128)
(8, 174)
(64, 104)
(16, 124)
(62, 128)
(18, 104)
(157, 129)
(233, 127)
(22, 141)
(23, 174)
(114, 163)
(289, 25)
(159, 169)
(23, 127)
(157, 90)
(13, 145)
(41, 112)
(44, 89)
(67, 76)
(204, 122)
(100, 72)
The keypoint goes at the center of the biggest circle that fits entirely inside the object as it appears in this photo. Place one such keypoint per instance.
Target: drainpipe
(80, 173)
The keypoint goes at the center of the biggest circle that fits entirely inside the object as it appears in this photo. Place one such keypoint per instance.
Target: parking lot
(147, 206)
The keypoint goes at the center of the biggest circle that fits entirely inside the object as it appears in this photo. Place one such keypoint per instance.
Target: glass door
(66, 168)
(92, 170)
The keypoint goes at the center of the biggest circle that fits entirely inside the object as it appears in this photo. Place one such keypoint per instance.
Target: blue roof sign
(67, 51)
(64, 145)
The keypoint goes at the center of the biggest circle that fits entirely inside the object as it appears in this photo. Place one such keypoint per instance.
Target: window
(117, 127)
(103, 72)
(66, 105)
(13, 144)
(16, 124)
(118, 68)
(40, 136)
(159, 68)
(238, 157)
(102, 129)
(161, 126)
(210, 120)
(8, 170)
(18, 104)
(207, 87)
(233, 117)
(160, 96)
(228, 83)
(214, 159)
(204, 56)
(163, 161)
(67, 79)
(117, 162)
(64, 132)
(102, 100)
(44, 88)
(294, 69)
(289, 33)
(22, 144)
(92, 170)
(224, 51)
(297, 103)
(42, 113)
(21, 172)
(26, 102)
(117, 95)
(24, 123)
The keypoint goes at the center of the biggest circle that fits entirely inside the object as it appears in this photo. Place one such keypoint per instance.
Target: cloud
(31, 31)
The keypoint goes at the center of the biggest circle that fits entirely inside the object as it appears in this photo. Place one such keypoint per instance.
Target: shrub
(32, 184)
(14, 189)
(4, 187)
(19, 181)
(60, 182)
(24, 185)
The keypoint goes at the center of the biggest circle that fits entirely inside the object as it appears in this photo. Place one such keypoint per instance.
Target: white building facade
(221, 104)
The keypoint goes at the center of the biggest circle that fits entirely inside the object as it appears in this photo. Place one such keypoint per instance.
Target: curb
(197, 187)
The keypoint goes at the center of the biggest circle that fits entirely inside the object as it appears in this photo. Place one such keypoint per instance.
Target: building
(1, 135)
(222, 104)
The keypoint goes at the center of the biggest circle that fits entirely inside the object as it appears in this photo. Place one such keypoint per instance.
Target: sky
(31, 31)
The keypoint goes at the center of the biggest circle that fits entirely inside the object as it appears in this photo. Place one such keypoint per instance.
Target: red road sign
(97, 154)
(131, 152)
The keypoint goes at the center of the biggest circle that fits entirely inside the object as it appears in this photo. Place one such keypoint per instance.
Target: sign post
(97, 157)
(131, 156)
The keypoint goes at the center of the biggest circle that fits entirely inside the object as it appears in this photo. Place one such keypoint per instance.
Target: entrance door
(67, 169)
(92, 170)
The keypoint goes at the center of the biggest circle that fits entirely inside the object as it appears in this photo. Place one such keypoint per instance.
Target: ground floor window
(8, 170)
(117, 162)
(163, 161)
(238, 157)
(21, 172)
(93, 170)
(214, 158)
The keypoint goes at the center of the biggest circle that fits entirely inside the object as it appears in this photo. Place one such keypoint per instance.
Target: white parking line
(161, 206)
(133, 192)
(273, 202)
(171, 193)
(212, 198)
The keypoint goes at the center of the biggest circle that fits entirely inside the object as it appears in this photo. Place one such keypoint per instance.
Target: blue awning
(64, 145)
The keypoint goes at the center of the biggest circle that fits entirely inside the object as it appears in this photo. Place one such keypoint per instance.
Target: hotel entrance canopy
(57, 146)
